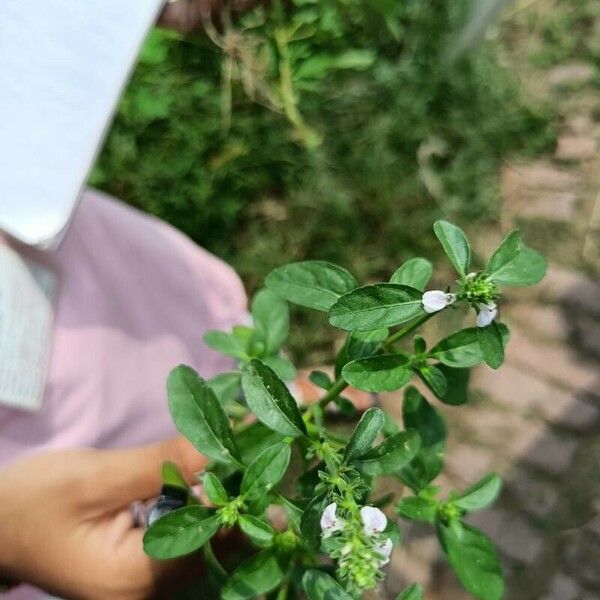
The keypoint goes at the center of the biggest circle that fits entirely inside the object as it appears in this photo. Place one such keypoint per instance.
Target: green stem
(406, 330)
(340, 385)
(284, 589)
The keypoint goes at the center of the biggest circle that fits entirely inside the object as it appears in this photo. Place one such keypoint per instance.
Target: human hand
(66, 524)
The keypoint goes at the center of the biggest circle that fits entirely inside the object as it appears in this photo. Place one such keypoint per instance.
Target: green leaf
(320, 379)
(271, 319)
(434, 379)
(384, 373)
(310, 523)
(364, 434)
(258, 531)
(265, 471)
(315, 284)
(461, 349)
(359, 344)
(506, 252)
(320, 586)
(282, 366)
(417, 508)
(479, 495)
(225, 343)
(270, 400)
(415, 272)
(226, 386)
(376, 306)
(418, 414)
(457, 385)
(514, 264)
(473, 558)
(214, 489)
(393, 454)
(200, 416)
(256, 576)
(490, 342)
(419, 344)
(412, 592)
(180, 532)
(455, 245)
(171, 475)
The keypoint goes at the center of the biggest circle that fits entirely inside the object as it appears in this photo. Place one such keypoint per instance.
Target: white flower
(330, 523)
(384, 548)
(435, 300)
(487, 313)
(374, 521)
(470, 276)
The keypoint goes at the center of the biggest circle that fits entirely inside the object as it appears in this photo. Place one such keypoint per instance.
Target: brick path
(536, 421)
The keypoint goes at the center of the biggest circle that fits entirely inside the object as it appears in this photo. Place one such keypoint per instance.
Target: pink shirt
(135, 297)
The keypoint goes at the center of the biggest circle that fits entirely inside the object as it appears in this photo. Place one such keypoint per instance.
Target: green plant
(319, 129)
(291, 458)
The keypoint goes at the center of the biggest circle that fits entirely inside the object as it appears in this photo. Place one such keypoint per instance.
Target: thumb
(135, 473)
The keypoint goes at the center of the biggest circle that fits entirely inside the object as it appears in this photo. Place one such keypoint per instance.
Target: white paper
(63, 64)
(27, 292)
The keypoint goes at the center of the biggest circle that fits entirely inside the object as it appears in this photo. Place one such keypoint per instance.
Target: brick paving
(536, 421)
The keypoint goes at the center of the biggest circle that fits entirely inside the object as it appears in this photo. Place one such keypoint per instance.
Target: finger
(124, 476)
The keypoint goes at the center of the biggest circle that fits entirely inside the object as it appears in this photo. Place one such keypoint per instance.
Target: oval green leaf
(434, 379)
(390, 456)
(315, 284)
(415, 272)
(180, 532)
(258, 575)
(491, 344)
(265, 471)
(271, 318)
(258, 531)
(455, 245)
(473, 558)
(320, 586)
(225, 343)
(412, 592)
(364, 434)
(384, 373)
(200, 416)
(270, 400)
(214, 489)
(417, 508)
(376, 306)
(481, 494)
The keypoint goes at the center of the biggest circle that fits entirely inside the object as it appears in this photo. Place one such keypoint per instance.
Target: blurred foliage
(331, 129)
(561, 30)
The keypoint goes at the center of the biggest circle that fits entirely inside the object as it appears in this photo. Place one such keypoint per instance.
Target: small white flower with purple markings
(374, 521)
(384, 548)
(487, 313)
(436, 300)
(330, 522)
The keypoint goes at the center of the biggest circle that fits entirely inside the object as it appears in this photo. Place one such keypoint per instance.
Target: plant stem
(340, 385)
(406, 330)
(284, 589)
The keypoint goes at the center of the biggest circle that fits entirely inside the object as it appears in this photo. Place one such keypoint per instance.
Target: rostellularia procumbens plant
(266, 451)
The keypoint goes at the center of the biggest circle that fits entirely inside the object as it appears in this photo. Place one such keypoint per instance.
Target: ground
(537, 420)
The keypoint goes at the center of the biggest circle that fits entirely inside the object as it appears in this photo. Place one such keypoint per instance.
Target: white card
(63, 64)
(27, 291)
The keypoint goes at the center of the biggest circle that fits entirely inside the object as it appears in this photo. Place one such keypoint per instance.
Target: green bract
(266, 449)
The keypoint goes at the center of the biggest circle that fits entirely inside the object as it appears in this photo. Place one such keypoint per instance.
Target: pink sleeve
(135, 297)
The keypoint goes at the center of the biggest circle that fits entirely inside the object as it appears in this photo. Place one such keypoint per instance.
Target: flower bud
(384, 548)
